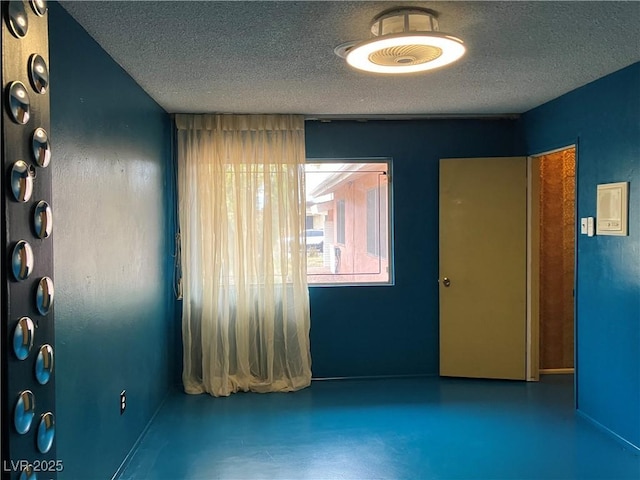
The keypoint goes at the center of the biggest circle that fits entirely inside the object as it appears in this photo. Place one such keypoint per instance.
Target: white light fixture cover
(404, 41)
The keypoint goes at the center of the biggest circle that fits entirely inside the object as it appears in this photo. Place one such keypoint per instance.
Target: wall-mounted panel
(28, 383)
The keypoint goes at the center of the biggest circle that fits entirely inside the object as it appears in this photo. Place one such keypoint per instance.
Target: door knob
(446, 282)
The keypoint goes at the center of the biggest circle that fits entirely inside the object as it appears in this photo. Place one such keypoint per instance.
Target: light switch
(590, 226)
(583, 226)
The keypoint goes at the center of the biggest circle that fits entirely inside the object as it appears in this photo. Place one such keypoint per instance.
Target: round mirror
(23, 338)
(24, 412)
(41, 147)
(17, 18)
(44, 295)
(39, 7)
(46, 432)
(28, 473)
(22, 181)
(38, 73)
(42, 219)
(22, 260)
(18, 102)
(44, 364)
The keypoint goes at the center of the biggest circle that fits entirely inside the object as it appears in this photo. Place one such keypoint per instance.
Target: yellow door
(483, 235)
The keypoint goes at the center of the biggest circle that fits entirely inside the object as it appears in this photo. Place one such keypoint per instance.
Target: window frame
(389, 254)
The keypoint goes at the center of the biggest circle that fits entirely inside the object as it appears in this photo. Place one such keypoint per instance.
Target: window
(340, 221)
(348, 203)
(373, 223)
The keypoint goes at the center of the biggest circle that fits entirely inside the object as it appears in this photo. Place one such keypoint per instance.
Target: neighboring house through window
(340, 221)
(373, 222)
(349, 202)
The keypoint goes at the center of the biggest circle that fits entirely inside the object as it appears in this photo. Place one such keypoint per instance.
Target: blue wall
(603, 118)
(114, 235)
(113, 238)
(393, 330)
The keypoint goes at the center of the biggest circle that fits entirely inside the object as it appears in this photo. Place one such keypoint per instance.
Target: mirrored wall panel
(46, 432)
(22, 181)
(44, 364)
(41, 147)
(38, 73)
(28, 343)
(44, 295)
(39, 7)
(23, 338)
(22, 260)
(42, 219)
(17, 19)
(24, 411)
(28, 473)
(19, 103)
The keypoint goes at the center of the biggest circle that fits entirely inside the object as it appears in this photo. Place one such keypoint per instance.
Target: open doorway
(552, 262)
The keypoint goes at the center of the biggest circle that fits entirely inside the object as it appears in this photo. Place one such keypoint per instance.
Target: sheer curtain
(245, 318)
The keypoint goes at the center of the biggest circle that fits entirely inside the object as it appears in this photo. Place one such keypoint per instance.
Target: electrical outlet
(123, 401)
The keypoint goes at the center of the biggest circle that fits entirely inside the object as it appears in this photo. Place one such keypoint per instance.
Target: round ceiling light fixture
(404, 40)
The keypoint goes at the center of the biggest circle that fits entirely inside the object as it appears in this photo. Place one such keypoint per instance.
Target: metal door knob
(446, 282)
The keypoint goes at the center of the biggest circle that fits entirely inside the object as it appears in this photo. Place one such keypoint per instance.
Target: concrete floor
(419, 428)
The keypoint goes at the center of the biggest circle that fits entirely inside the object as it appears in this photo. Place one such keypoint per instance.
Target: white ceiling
(277, 57)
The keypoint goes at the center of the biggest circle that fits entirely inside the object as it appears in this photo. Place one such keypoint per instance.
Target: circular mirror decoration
(19, 104)
(17, 18)
(22, 260)
(44, 364)
(24, 412)
(23, 338)
(41, 147)
(42, 219)
(38, 73)
(44, 295)
(39, 7)
(22, 181)
(28, 473)
(46, 432)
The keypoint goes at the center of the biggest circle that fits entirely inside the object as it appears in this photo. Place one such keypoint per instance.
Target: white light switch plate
(590, 226)
(583, 226)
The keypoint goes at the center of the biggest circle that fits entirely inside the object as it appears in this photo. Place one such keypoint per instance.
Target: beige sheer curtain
(245, 318)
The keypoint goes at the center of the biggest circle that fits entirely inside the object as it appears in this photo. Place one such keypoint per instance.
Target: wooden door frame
(533, 263)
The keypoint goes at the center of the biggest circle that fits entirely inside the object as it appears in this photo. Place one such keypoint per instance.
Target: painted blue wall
(112, 230)
(603, 118)
(393, 330)
(113, 238)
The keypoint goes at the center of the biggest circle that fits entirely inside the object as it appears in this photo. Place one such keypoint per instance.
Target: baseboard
(374, 377)
(133, 449)
(621, 440)
(556, 371)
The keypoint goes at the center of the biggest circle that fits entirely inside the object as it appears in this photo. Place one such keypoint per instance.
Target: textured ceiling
(277, 57)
